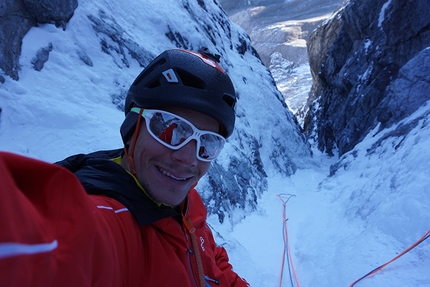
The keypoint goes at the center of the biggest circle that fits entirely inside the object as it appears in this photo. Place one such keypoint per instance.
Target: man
(143, 223)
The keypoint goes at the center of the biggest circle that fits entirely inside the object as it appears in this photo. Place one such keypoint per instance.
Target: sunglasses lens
(172, 131)
(210, 146)
(169, 129)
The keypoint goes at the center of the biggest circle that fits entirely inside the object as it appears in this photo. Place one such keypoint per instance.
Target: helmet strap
(128, 156)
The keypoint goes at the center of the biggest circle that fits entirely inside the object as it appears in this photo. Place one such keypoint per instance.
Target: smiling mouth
(166, 173)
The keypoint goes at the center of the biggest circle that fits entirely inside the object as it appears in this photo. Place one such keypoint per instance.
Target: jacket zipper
(190, 265)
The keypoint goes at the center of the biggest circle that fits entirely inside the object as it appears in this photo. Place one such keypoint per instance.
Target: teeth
(170, 175)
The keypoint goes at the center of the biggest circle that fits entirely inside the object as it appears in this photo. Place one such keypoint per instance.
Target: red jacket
(52, 233)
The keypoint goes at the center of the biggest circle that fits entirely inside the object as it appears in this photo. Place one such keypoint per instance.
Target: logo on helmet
(170, 76)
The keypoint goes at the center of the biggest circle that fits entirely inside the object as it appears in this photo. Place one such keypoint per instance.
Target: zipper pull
(211, 280)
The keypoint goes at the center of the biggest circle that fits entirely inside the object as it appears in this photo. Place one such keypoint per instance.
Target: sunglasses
(174, 132)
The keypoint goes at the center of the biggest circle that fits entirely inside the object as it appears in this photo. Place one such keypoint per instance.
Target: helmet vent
(149, 70)
(154, 84)
(231, 101)
(190, 80)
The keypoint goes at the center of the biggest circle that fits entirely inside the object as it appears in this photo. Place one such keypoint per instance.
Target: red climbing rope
(427, 235)
(284, 198)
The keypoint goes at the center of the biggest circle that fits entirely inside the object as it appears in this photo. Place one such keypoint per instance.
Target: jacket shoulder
(77, 161)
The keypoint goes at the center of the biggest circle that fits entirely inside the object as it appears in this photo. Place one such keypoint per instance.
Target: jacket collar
(95, 170)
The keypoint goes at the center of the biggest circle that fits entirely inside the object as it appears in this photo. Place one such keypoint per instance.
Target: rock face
(16, 19)
(370, 65)
(49, 11)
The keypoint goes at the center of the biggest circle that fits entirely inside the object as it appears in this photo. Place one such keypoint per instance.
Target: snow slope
(343, 226)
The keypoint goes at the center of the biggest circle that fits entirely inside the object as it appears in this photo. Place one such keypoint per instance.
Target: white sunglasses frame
(197, 133)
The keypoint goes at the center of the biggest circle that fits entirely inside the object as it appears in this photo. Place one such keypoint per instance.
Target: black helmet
(186, 79)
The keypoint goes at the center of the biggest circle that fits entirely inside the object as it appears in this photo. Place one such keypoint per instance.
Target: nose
(187, 154)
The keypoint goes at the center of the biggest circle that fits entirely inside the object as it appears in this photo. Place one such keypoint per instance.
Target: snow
(382, 13)
(367, 45)
(340, 226)
(293, 81)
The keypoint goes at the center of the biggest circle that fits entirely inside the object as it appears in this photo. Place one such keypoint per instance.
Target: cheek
(204, 167)
(144, 141)
(142, 147)
(147, 148)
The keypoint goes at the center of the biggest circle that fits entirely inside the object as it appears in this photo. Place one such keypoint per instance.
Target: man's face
(167, 175)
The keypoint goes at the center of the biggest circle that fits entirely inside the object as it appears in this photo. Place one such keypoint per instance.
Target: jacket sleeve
(53, 234)
(222, 262)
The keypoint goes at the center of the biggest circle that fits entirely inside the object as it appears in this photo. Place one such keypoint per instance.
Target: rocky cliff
(370, 64)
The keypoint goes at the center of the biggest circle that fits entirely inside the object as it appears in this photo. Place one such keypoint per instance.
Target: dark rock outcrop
(41, 57)
(16, 19)
(115, 42)
(15, 22)
(365, 71)
(57, 12)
